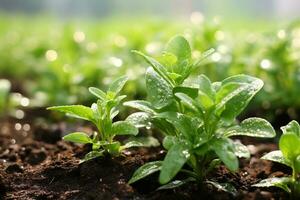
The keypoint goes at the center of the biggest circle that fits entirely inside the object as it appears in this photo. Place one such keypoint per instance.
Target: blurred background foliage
(51, 51)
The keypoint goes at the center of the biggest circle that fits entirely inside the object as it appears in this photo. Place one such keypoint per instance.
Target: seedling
(102, 114)
(289, 155)
(197, 119)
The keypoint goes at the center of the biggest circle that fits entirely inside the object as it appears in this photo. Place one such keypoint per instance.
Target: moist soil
(36, 164)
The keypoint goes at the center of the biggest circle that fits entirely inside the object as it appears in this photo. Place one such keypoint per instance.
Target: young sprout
(197, 117)
(289, 155)
(102, 114)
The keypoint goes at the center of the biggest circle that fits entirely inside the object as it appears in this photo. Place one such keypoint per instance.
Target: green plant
(102, 114)
(196, 116)
(289, 155)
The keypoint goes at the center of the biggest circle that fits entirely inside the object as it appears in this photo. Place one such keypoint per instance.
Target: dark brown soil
(36, 164)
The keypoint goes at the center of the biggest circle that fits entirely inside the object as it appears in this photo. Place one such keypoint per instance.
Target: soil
(36, 164)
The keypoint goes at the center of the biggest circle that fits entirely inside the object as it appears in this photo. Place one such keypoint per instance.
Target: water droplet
(18, 126)
(19, 114)
(26, 127)
(24, 102)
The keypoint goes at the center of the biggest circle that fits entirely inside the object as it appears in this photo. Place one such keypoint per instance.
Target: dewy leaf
(176, 183)
(160, 93)
(241, 150)
(188, 101)
(77, 111)
(292, 127)
(139, 119)
(275, 182)
(118, 84)
(240, 78)
(173, 162)
(233, 97)
(226, 187)
(124, 128)
(253, 127)
(289, 144)
(140, 105)
(161, 70)
(145, 170)
(98, 93)
(276, 156)
(224, 148)
(78, 137)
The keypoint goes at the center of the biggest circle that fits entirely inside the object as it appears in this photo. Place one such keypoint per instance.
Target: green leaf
(98, 93)
(187, 101)
(226, 187)
(205, 86)
(241, 150)
(140, 105)
(183, 123)
(160, 93)
(118, 84)
(145, 170)
(224, 148)
(275, 182)
(161, 70)
(77, 111)
(289, 145)
(205, 101)
(276, 156)
(78, 137)
(179, 47)
(253, 127)
(91, 155)
(169, 141)
(292, 127)
(132, 144)
(203, 57)
(233, 97)
(173, 162)
(139, 119)
(191, 92)
(124, 128)
(176, 183)
(113, 148)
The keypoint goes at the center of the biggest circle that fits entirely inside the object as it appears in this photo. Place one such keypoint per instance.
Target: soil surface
(36, 164)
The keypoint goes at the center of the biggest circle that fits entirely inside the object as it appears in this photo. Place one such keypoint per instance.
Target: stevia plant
(101, 114)
(289, 155)
(196, 116)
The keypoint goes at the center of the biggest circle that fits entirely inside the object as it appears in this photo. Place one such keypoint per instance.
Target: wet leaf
(275, 182)
(124, 128)
(176, 157)
(160, 93)
(145, 170)
(253, 127)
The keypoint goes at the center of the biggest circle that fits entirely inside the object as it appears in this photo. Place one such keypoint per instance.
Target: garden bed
(36, 164)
